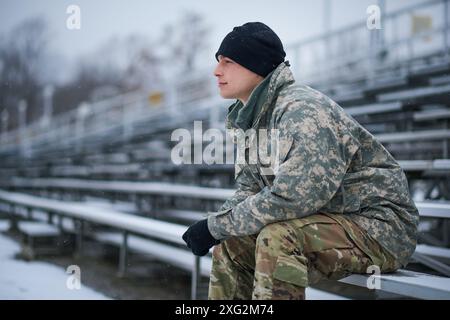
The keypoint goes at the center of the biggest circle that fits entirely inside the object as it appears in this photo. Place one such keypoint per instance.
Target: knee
(218, 251)
(234, 248)
(278, 237)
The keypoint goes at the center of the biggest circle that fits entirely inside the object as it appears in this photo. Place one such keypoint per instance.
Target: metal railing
(355, 49)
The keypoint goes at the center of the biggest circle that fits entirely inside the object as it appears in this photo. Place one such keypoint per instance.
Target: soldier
(336, 204)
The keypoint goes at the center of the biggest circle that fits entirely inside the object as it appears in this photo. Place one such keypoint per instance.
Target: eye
(228, 61)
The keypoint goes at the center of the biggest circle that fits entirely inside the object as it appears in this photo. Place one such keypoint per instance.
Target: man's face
(235, 81)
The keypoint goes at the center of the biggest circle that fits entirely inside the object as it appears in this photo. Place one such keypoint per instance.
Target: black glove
(199, 239)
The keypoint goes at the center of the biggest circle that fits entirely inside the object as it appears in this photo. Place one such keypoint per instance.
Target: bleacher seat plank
(408, 283)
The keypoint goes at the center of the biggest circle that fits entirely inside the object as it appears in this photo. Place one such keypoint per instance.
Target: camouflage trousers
(286, 257)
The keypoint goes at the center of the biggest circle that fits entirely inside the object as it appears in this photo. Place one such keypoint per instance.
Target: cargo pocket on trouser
(335, 264)
(290, 278)
(330, 251)
(241, 250)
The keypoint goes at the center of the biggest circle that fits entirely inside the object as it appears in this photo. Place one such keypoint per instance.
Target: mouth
(221, 84)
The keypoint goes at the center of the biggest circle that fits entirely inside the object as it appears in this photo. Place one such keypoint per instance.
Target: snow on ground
(35, 280)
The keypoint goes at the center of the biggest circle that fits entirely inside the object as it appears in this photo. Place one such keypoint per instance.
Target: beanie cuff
(254, 46)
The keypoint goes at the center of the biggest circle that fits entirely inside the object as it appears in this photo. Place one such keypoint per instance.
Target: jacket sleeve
(247, 186)
(306, 180)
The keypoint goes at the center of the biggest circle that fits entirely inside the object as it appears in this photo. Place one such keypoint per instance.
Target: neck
(244, 99)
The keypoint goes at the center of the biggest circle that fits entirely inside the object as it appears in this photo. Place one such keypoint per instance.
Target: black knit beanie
(254, 46)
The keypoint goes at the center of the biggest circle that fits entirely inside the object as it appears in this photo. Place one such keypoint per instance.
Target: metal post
(80, 228)
(13, 221)
(445, 147)
(195, 277)
(60, 223)
(123, 254)
(5, 116)
(50, 217)
(445, 232)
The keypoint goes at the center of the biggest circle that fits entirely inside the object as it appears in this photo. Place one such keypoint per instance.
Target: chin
(227, 95)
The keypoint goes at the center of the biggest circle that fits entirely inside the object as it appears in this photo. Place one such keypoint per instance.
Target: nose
(218, 71)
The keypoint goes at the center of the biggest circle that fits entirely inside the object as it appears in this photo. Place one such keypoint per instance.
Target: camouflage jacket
(327, 163)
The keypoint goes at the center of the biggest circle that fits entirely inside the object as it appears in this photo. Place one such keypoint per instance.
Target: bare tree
(185, 40)
(22, 54)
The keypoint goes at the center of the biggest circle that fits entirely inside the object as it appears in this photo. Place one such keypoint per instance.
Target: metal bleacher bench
(129, 226)
(145, 235)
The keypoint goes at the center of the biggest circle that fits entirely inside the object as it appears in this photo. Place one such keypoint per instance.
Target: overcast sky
(293, 20)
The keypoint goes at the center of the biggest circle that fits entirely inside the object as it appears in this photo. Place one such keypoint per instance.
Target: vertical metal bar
(13, 221)
(80, 227)
(445, 232)
(29, 213)
(195, 277)
(123, 254)
(60, 223)
(445, 148)
(50, 217)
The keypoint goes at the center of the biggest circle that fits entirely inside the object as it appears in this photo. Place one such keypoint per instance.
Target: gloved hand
(199, 239)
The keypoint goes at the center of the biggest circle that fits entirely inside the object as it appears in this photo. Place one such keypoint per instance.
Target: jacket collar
(279, 78)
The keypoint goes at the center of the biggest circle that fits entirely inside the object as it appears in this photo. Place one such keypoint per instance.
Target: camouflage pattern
(328, 164)
(286, 257)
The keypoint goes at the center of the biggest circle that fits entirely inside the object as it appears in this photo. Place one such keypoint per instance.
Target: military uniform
(336, 203)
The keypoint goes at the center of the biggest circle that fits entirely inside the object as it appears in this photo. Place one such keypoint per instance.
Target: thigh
(330, 252)
(319, 232)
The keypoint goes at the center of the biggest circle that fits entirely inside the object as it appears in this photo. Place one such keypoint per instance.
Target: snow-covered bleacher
(128, 231)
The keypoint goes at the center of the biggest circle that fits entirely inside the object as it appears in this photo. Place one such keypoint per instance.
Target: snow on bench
(40, 238)
(432, 251)
(147, 188)
(122, 221)
(429, 135)
(408, 283)
(434, 209)
(374, 108)
(38, 229)
(415, 93)
(425, 165)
